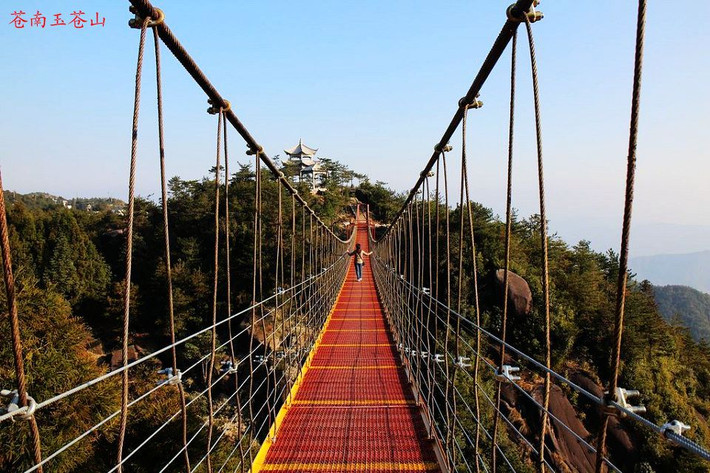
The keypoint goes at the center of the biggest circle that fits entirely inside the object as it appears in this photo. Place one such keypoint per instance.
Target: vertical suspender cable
(166, 235)
(476, 305)
(129, 249)
(543, 243)
(626, 225)
(15, 328)
(213, 334)
(508, 231)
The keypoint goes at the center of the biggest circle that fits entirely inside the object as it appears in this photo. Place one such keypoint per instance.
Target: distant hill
(687, 305)
(691, 269)
(42, 200)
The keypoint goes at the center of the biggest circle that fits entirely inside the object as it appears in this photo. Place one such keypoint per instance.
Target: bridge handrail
(471, 327)
(306, 283)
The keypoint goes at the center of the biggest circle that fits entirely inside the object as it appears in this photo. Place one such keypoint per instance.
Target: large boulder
(519, 294)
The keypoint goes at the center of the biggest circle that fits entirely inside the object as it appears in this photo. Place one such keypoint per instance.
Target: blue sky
(373, 84)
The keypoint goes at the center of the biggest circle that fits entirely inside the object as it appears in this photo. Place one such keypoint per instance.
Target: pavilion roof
(301, 150)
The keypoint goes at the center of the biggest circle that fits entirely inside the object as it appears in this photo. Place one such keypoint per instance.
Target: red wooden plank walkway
(353, 409)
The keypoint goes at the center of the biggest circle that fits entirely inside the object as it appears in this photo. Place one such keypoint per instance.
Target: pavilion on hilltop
(309, 168)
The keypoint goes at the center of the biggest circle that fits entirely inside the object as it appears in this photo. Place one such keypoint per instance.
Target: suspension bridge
(326, 373)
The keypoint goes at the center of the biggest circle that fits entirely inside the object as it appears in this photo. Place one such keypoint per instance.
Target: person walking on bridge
(359, 262)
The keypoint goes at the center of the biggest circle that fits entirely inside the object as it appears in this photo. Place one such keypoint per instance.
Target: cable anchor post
(13, 407)
(505, 373)
(137, 21)
(514, 14)
(171, 379)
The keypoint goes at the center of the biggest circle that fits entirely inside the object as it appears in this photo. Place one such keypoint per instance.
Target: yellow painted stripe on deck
(345, 402)
(369, 466)
(258, 463)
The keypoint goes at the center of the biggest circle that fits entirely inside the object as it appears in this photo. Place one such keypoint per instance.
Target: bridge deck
(353, 409)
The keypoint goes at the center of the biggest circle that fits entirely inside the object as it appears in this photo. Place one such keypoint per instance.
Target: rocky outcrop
(519, 294)
(567, 453)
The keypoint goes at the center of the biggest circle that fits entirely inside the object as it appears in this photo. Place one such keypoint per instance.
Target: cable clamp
(23, 413)
(214, 109)
(675, 426)
(505, 373)
(228, 367)
(137, 20)
(424, 354)
(170, 378)
(425, 291)
(438, 358)
(461, 362)
(252, 151)
(475, 103)
(532, 15)
(261, 359)
(621, 398)
(443, 149)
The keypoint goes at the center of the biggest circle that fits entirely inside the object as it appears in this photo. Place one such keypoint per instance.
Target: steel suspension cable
(129, 247)
(476, 303)
(543, 239)
(15, 333)
(449, 439)
(228, 266)
(166, 235)
(213, 335)
(626, 224)
(508, 231)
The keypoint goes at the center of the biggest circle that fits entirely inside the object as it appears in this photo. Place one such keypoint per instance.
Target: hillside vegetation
(685, 306)
(69, 267)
